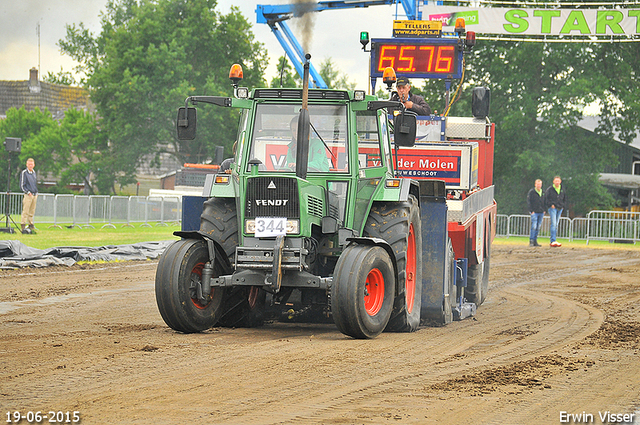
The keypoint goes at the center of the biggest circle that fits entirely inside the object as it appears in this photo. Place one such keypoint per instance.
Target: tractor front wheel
(362, 291)
(178, 276)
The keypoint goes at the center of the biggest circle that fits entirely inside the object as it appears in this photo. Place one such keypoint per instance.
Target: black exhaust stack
(302, 152)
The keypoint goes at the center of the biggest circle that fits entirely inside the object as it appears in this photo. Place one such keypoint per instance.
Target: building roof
(34, 94)
(591, 122)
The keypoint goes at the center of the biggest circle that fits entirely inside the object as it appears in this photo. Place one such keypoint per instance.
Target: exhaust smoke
(303, 10)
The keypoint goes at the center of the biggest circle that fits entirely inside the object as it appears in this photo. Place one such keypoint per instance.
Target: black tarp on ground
(15, 254)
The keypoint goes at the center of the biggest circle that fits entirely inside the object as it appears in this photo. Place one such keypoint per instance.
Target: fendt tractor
(339, 206)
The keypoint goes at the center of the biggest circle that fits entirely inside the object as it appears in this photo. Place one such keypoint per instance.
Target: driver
(318, 160)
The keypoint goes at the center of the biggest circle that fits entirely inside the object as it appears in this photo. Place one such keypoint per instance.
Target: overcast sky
(335, 34)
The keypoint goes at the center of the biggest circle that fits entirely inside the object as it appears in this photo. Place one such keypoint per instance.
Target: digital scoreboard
(417, 58)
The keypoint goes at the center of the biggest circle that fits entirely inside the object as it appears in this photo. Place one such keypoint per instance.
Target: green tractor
(312, 222)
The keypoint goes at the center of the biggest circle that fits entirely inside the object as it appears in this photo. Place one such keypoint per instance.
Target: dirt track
(559, 332)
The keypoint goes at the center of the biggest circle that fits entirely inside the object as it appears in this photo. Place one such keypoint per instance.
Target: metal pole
(6, 205)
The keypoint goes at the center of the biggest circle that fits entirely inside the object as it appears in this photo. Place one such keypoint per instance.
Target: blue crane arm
(276, 16)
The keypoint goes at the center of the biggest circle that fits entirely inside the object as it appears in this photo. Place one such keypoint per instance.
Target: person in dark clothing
(555, 200)
(535, 204)
(412, 102)
(29, 187)
(225, 166)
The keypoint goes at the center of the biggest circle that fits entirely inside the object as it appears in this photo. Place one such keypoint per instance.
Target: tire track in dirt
(117, 362)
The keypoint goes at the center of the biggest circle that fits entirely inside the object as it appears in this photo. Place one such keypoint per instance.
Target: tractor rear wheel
(178, 276)
(398, 223)
(362, 291)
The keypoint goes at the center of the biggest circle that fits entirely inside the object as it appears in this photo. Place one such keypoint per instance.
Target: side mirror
(186, 123)
(404, 129)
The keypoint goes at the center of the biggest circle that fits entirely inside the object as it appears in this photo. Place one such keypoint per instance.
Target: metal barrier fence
(112, 211)
(92, 211)
(598, 225)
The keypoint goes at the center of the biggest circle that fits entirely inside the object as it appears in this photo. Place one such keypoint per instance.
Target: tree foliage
(149, 56)
(333, 77)
(287, 77)
(75, 149)
(539, 92)
(28, 126)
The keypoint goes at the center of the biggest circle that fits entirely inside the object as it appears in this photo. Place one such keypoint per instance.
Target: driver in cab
(318, 160)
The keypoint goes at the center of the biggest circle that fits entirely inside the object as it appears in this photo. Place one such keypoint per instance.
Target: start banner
(539, 22)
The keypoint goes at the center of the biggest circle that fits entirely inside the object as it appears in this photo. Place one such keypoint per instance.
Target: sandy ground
(558, 335)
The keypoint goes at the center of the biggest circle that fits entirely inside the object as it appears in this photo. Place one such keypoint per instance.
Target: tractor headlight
(242, 93)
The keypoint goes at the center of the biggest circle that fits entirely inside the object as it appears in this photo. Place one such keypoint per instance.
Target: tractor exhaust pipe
(302, 152)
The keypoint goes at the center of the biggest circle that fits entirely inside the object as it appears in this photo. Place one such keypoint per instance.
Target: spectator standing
(555, 200)
(535, 204)
(29, 186)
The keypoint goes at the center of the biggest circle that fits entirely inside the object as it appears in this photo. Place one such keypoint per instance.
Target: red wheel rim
(197, 271)
(374, 292)
(410, 275)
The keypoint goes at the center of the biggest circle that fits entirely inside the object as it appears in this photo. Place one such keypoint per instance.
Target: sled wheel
(399, 225)
(485, 272)
(478, 280)
(177, 278)
(450, 298)
(362, 291)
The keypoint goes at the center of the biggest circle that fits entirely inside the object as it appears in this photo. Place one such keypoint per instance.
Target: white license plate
(270, 226)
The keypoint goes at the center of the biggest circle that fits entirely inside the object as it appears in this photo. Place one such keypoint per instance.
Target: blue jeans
(554, 216)
(536, 223)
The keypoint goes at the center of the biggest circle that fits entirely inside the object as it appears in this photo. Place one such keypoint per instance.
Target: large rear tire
(362, 291)
(399, 224)
(177, 277)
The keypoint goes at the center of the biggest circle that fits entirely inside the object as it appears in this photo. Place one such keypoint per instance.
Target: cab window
(369, 153)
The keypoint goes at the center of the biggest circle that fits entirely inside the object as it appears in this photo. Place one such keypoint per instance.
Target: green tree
(333, 77)
(64, 78)
(539, 92)
(286, 76)
(29, 126)
(74, 149)
(88, 149)
(151, 55)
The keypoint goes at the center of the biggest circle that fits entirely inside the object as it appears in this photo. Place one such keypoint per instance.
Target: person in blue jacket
(29, 186)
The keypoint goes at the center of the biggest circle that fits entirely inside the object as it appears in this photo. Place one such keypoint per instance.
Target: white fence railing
(598, 225)
(92, 211)
(111, 211)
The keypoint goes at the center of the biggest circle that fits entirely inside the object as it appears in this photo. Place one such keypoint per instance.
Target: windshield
(274, 137)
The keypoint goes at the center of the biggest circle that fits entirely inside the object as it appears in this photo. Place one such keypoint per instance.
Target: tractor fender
(377, 242)
(199, 234)
(400, 194)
